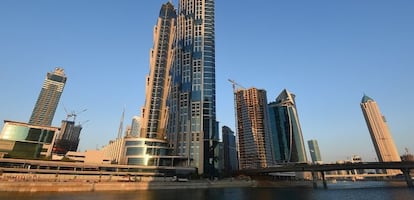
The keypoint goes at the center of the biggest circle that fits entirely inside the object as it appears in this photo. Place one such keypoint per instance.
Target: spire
(121, 124)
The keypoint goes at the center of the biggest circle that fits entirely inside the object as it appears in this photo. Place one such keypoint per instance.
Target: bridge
(404, 166)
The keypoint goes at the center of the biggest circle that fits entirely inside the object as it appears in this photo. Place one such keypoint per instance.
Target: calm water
(339, 191)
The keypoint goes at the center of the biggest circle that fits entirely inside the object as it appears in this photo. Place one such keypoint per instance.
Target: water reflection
(368, 192)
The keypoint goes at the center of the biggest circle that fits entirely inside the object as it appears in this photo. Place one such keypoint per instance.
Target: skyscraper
(229, 150)
(68, 139)
(253, 129)
(192, 128)
(314, 151)
(48, 100)
(380, 134)
(155, 112)
(286, 131)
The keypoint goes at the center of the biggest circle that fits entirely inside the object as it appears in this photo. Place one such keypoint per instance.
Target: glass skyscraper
(314, 151)
(380, 134)
(48, 100)
(229, 151)
(253, 129)
(288, 144)
(155, 112)
(192, 128)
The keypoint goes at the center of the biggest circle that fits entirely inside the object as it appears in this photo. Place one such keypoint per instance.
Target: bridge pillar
(408, 178)
(314, 179)
(325, 185)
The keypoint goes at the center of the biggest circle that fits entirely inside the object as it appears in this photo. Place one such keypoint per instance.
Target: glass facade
(192, 128)
(288, 144)
(148, 152)
(29, 141)
(23, 133)
(314, 151)
(229, 151)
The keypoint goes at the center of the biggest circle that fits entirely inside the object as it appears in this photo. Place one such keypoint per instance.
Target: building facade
(155, 112)
(253, 129)
(68, 139)
(288, 143)
(230, 160)
(314, 151)
(48, 99)
(27, 141)
(380, 134)
(192, 126)
(135, 127)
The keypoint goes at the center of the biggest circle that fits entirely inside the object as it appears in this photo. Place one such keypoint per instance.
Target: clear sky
(328, 53)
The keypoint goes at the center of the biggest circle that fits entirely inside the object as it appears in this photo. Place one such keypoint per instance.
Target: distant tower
(314, 151)
(155, 111)
(380, 134)
(253, 129)
(121, 124)
(48, 100)
(287, 135)
(135, 126)
(229, 150)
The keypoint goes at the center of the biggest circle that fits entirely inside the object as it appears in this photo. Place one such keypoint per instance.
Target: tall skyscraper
(229, 150)
(380, 134)
(253, 129)
(192, 128)
(286, 131)
(48, 100)
(155, 112)
(314, 151)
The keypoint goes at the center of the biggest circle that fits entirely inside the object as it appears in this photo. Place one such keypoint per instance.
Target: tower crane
(235, 85)
(73, 114)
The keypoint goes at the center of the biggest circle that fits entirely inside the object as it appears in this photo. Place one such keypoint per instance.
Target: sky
(328, 53)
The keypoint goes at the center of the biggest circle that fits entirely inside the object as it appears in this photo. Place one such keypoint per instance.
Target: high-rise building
(230, 161)
(192, 128)
(68, 139)
(288, 143)
(253, 129)
(48, 100)
(155, 112)
(380, 134)
(314, 151)
(135, 127)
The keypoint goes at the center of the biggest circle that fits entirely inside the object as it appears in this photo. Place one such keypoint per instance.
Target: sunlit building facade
(288, 143)
(48, 99)
(380, 134)
(27, 141)
(155, 111)
(193, 129)
(253, 129)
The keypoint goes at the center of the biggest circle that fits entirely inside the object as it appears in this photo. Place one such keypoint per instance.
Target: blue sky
(328, 53)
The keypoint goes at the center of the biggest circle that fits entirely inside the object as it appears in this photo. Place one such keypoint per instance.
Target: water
(339, 191)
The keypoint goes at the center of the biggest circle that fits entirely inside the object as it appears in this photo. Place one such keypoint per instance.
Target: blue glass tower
(192, 128)
(288, 144)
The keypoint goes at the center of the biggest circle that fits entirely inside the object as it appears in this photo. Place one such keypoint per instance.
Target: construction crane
(73, 114)
(235, 85)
